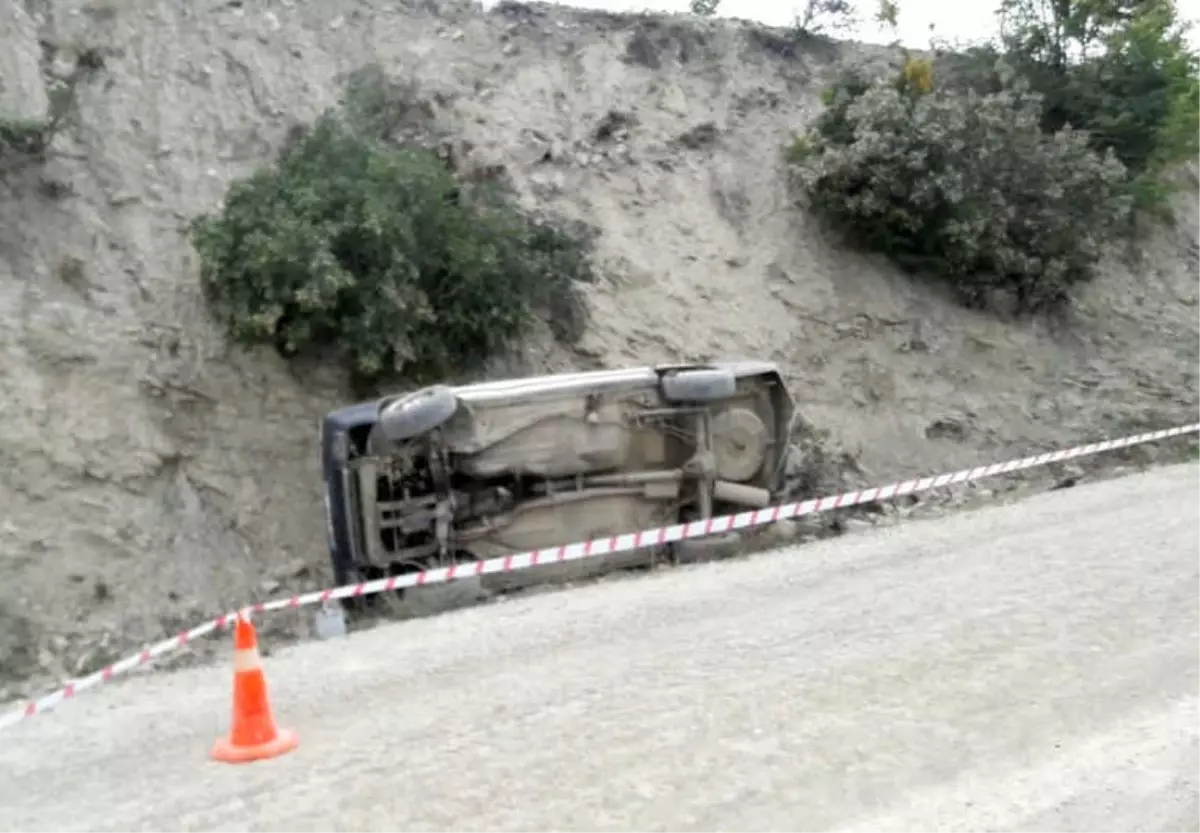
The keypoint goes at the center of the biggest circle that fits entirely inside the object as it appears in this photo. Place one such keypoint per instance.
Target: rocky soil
(151, 474)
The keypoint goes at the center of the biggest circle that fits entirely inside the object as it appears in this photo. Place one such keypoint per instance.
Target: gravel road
(1032, 666)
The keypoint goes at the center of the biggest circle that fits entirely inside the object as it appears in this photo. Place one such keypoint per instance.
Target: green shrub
(376, 253)
(1122, 70)
(963, 185)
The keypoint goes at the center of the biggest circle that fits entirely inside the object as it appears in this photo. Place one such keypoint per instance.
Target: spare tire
(702, 385)
(739, 442)
(417, 413)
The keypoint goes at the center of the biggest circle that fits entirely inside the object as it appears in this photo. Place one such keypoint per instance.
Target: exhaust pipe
(667, 483)
(730, 492)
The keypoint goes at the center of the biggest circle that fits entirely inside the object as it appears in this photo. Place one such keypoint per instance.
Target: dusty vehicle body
(453, 474)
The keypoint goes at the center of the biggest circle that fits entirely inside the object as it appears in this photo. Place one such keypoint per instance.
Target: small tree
(377, 253)
(887, 14)
(962, 185)
(1122, 70)
(821, 16)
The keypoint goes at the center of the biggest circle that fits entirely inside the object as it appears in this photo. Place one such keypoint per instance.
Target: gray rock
(329, 622)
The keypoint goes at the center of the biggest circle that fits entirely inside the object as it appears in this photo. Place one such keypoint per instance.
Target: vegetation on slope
(1012, 175)
(1008, 175)
(1121, 70)
(962, 184)
(373, 249)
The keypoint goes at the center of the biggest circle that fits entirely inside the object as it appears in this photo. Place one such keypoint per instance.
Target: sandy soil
(1031, 666)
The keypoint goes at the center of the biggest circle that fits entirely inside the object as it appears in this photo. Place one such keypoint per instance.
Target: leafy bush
(1121, 70)
(376, 252)
(961, 184)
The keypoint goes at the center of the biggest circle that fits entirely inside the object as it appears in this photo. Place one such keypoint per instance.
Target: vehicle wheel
(706, 385)
(740, 440)
(417, 413)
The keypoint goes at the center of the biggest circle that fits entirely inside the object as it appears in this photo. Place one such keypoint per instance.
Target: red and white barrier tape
(588, 549)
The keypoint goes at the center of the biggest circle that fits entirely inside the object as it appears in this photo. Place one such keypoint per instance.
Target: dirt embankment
(150, 473)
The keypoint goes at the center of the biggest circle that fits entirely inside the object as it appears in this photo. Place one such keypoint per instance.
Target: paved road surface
(1024, 667)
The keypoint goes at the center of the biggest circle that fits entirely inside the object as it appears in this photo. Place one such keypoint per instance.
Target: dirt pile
(150, 473)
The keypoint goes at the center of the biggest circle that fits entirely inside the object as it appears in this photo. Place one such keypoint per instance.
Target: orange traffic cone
(254, 735)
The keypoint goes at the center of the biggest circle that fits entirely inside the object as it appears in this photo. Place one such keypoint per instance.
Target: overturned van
(446, 475)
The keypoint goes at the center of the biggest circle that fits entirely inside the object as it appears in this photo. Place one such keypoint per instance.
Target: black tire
(417, 413)
(706, 385)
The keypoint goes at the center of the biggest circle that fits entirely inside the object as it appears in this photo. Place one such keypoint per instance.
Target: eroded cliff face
(150, 473)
